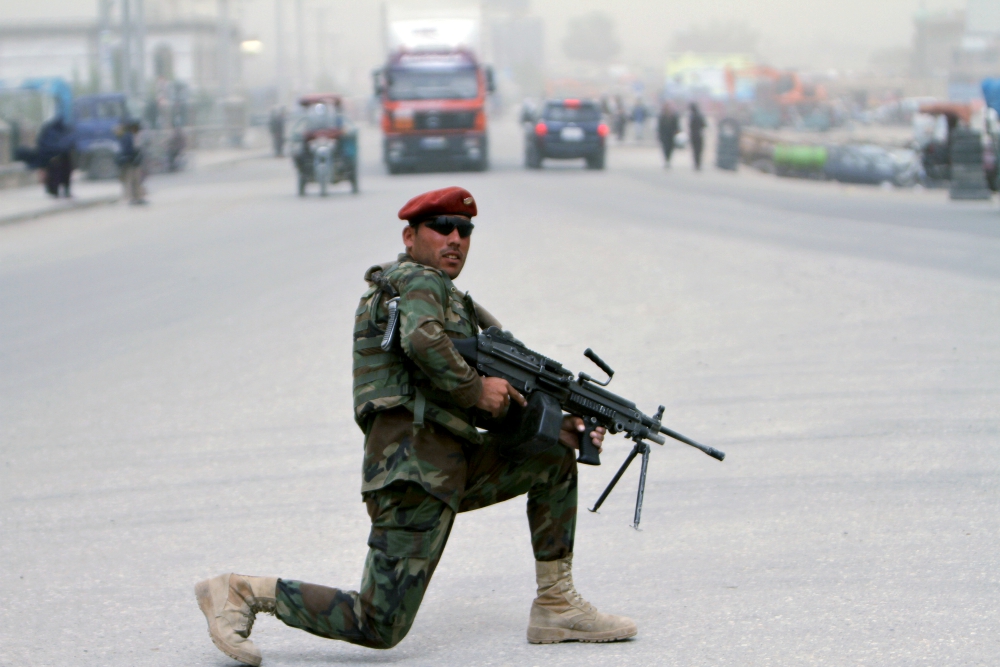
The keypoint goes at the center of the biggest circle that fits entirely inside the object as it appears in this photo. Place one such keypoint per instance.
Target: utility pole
(321, 43)
(225, 48)
(300, 37)
(140, 48)
(105, 73)
(126, 53)
(279, 53)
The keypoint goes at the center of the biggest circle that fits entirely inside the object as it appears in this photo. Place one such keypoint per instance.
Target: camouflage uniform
(424, 461)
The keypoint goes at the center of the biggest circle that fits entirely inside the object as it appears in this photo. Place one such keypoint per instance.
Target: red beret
(446, 201)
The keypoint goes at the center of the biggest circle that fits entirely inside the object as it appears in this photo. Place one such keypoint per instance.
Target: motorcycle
(322, 151)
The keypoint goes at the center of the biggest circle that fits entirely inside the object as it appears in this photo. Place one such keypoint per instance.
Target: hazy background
(839, 34)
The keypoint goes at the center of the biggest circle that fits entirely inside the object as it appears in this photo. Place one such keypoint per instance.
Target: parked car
(872, 165)
(566, 130)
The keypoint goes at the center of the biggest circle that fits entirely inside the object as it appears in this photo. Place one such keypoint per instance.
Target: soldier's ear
(409, 236)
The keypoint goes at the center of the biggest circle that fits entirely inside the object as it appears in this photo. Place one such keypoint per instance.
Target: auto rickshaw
(324, 144)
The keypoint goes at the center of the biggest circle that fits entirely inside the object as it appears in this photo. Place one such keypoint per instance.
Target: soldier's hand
(496, 397)
(572, 427)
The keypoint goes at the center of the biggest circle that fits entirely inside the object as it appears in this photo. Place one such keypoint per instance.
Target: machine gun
(551, 389)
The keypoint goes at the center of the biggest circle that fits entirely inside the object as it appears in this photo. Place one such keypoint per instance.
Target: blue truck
(96, 119)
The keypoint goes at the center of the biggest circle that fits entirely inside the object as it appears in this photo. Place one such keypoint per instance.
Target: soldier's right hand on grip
(589, 454)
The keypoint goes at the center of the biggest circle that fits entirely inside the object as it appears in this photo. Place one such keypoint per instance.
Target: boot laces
(574, 597)
(258, 606)
(251, 607)
(577, 600)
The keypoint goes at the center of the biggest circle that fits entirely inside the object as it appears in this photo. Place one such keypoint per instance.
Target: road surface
(175, 403)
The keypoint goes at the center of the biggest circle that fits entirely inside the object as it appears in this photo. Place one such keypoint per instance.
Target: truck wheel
(484, 162)
(102, 167)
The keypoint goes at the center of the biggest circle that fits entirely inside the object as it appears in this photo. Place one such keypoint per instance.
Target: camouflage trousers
(410, 528)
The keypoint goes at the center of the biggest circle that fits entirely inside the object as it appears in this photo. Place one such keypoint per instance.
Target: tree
(718, 37)
(591, 37)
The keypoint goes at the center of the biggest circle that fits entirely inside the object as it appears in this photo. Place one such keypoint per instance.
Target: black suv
(566, 130)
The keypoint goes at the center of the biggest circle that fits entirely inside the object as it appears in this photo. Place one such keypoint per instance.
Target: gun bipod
(641, 447)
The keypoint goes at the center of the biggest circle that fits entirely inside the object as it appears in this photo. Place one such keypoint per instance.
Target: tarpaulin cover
(991, 91)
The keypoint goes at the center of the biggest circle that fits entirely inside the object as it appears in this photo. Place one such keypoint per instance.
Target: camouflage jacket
(427, 376)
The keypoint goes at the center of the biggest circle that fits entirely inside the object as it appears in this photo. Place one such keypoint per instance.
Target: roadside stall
(960, 157)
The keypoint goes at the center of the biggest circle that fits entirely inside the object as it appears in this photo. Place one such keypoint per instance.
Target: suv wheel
(532, 160)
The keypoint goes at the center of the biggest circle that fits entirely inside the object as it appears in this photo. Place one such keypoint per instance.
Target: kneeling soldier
(424, 462)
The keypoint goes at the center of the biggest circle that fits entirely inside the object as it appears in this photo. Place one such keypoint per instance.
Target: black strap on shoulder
(383, 283)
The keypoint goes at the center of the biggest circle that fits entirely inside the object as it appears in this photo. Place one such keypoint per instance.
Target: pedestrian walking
(639, 114)
(667, 127)
(417, 402)
(696, 133)
(54, 155)
(130, 161)
(620, 118)
(276, 124)
(175, 148)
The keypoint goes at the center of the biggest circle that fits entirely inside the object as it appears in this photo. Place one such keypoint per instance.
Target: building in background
(977, 56)
(936, 37)
(983, 16)
(958, 48)
(519, 52)
(190, 48)
(517, 47)
(709, 76)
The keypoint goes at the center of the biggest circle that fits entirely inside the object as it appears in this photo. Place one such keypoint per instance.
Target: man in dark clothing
(55, 147)
(620, 118)
(130, 160)
(696, 132)
(667, 127)
(276, 125)
(639, 114)
(175, 147)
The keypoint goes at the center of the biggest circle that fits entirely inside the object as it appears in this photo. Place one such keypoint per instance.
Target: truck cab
(434, 110)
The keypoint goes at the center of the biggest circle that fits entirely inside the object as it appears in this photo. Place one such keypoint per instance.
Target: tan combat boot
(559, 614)
(229, 602)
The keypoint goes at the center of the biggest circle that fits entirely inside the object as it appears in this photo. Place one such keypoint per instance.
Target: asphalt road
(175, 403)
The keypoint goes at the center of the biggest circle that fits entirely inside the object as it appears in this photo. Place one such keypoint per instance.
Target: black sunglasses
(446, 224)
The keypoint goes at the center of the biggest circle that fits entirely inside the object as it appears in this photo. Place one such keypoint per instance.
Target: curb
(113, 199)
(231, 162)
(55, 210)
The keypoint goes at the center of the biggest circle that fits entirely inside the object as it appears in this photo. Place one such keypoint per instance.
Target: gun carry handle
(588, 451)
(392, 327)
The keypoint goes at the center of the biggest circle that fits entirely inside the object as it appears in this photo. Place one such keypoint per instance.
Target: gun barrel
(711, 451)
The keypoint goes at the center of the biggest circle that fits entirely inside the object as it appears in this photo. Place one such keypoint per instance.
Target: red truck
(434, 110)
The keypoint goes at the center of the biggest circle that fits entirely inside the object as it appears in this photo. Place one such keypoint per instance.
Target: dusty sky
(808, 33)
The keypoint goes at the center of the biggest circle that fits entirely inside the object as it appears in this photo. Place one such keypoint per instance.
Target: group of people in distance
(668, 125)
(53, 156)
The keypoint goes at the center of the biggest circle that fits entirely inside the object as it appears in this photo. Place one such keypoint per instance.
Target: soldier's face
(430, 248)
